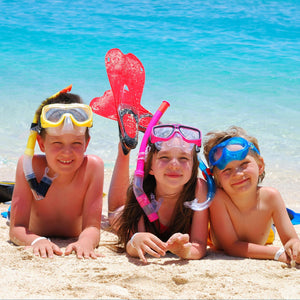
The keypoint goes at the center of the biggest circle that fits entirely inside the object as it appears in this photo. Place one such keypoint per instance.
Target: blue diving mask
(235, 148)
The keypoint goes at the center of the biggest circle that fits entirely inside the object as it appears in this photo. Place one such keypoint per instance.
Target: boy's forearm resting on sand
(90, 234)
(250, 250)
(42, 246)
(292, 248)
(21, 236)
(88, 240)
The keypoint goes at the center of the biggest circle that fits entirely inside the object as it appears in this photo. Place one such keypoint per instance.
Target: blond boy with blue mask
(240, 223)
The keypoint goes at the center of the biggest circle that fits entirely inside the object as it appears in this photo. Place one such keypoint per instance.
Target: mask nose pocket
(68, 124)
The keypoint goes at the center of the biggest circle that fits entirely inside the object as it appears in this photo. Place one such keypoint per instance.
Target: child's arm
(285, 228)
(193, 246)
(19, 219)
(92, 209)
(145, 242)
(224, 233)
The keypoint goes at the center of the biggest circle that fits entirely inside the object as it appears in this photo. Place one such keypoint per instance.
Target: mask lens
(231, 148)
(54, 115)
(163, 132)
(217, 153)
(234, 147)
(190, 134)
(66, 127)
(79, 114)
(175, 142)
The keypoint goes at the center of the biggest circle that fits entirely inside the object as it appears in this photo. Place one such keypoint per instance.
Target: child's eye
(226, 172)
(164, 157)
(244, 164)
(184, 158)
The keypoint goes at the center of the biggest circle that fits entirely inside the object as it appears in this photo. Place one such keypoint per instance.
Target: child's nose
(174, 163)
(67, 149)
(239, 171)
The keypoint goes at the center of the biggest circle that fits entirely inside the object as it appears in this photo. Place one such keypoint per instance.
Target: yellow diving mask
(66, 118)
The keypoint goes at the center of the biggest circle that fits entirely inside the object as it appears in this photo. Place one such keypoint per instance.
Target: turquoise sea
(218, 63)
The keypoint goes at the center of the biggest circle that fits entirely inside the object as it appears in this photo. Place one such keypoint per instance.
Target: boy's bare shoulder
(94, 160)
(268, 191)
(94, 163)
(270, 195)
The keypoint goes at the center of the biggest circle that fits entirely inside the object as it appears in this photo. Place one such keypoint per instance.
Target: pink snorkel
(148, 207)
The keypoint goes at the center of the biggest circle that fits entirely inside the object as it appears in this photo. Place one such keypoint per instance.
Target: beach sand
(117, 276)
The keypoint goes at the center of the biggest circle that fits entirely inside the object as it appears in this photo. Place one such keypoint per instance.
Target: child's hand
(45, 248)
(145, 242)
(179, 244)
(292, 248)
(82, 250)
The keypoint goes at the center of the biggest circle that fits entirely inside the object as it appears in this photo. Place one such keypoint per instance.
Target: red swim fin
(105, 107)
(126, 76)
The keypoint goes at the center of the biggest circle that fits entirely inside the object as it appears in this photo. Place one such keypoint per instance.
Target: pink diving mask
(175, 135)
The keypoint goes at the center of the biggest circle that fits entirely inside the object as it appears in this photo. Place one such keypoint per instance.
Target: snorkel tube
(211, 190)
(150, 208)
(211, 185)
(39, 189)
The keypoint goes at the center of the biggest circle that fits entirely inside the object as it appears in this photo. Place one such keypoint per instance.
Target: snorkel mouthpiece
(150, 208)
(39, 189)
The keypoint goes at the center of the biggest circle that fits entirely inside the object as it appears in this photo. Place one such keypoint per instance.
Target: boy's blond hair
(214, 138)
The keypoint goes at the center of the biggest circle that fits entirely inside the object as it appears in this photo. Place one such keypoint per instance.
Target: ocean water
(218, 63)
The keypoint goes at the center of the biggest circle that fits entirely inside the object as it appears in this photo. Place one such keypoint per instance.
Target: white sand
(116, 276)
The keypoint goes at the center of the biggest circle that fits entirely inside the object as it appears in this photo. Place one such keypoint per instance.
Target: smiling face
(172, 169)
(64, 153)
(240, 175)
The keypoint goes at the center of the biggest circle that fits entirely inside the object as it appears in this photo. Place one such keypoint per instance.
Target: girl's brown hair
(182, 217)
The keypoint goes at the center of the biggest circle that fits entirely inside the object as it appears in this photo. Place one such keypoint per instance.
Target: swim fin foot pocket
(128, 128)
(126, 76)
(104, 106)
